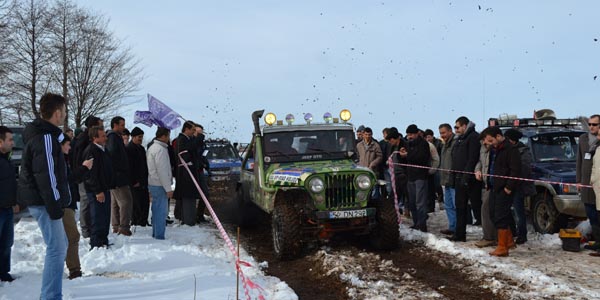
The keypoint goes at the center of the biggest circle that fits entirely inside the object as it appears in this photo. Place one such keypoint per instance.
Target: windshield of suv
(554, 147)
(220, 151)
(18, 137)
(308, 145)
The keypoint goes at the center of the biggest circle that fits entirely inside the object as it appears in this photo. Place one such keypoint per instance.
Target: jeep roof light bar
(531, 122)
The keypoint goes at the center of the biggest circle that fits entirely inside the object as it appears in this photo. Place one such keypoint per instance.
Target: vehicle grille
(340, 191)
(220, 171)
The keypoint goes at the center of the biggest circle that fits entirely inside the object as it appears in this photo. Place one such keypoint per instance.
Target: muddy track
(312, 278)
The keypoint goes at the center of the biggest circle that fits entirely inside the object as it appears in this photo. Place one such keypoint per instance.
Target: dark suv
(224, 165)
(553, 144)
(17, 151)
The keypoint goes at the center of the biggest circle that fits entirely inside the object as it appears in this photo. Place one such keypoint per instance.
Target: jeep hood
(565, 171)
(224, 163)
(295, 174)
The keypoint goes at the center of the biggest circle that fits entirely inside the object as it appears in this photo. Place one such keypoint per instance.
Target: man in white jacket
(160, 178)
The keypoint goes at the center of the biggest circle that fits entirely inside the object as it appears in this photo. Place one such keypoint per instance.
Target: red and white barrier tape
(490, 175)
(393, 179)
(246, 282)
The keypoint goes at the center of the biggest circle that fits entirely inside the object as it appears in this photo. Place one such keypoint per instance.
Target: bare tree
(64, 35)
(28, 53)
(102, 72)
(4, 11)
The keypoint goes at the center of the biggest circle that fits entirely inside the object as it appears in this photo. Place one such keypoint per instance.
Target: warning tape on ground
(246, 282)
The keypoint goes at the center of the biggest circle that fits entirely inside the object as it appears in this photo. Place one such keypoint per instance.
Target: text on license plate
(347, 214)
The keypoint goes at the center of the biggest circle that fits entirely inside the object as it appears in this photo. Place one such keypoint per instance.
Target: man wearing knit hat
(417, 153)
(138, 178)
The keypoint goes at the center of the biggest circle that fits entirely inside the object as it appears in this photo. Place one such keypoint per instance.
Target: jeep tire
(247, 212)
(286, 230)
(544, 216)
(385, 235)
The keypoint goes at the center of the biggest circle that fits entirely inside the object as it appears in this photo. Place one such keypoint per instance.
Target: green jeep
(305, 177)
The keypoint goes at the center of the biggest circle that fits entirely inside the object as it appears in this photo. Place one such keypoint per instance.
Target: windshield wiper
(280, 153)
(321, 150)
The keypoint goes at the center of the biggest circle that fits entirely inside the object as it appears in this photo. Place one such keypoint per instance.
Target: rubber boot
(501, 249)
(596, 235)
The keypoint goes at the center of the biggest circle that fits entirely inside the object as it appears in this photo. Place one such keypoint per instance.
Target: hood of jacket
(40, 126)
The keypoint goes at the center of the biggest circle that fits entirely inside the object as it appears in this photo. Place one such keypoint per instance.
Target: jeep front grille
(340, 191)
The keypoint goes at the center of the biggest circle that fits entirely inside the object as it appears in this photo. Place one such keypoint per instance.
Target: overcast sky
(392, 63)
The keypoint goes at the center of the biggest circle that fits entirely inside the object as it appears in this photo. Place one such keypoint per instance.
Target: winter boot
(485, 243)
(502, 249)
(596, 236)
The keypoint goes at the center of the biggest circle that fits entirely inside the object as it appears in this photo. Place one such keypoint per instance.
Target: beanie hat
(412, 128)
(513, 134)
(136, 131)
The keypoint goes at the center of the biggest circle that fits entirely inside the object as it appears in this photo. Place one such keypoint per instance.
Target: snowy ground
(540, 268)
(192, 263)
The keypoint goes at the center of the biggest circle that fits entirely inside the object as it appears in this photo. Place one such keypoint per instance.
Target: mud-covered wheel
(385, 235)
(247, 212)
(544, 216)
(286, 221)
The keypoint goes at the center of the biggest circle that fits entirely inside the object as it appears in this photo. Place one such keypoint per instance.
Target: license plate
(219, 178)
(348, 214)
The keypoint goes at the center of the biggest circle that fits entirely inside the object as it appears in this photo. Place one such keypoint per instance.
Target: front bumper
(570, 205)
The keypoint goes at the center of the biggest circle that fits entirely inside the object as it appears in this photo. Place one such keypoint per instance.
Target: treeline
(61, 47)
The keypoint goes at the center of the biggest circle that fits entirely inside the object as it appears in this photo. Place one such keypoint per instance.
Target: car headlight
(363, 182)
(569, 189)
(316, 185)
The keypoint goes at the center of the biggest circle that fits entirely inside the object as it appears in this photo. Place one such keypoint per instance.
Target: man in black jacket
(505, 161)
(98, 185)
(122, 200)
(465, 155)
(79, 144)
(417, 153)
(139, 178)
(185, 191)
(44, 188)
(8, 202)
(395, 143)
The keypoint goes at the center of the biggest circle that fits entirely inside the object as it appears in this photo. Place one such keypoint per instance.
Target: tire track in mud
(347, 268)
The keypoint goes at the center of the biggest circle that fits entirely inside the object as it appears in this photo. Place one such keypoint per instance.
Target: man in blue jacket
(8, 202)
(44, 188)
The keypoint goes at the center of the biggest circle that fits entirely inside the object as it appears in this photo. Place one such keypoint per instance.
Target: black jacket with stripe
(43, 176)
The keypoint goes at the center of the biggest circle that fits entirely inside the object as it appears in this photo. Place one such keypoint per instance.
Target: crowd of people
(477, 176)
(109, 172)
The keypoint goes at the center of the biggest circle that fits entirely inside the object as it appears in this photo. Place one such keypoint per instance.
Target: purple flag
(159, 114)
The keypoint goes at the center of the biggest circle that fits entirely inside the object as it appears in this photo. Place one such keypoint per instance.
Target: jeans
(7, 238)
(100, 220)
(55, 238)
(417, 202)
(519, 210)
(592, 213)
(450, 207)
(159, 211)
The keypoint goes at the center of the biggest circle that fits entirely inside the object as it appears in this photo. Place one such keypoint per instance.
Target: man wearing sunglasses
(587, 146)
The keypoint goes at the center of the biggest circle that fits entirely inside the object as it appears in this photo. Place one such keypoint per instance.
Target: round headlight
(363, 182)
(345, 115)
(316, 185)
(270, 119)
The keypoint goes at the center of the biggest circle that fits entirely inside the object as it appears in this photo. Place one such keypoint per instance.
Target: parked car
(17, 151)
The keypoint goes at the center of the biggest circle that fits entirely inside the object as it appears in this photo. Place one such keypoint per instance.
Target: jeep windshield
(561, 147)
(290, 146)
(220, 151)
